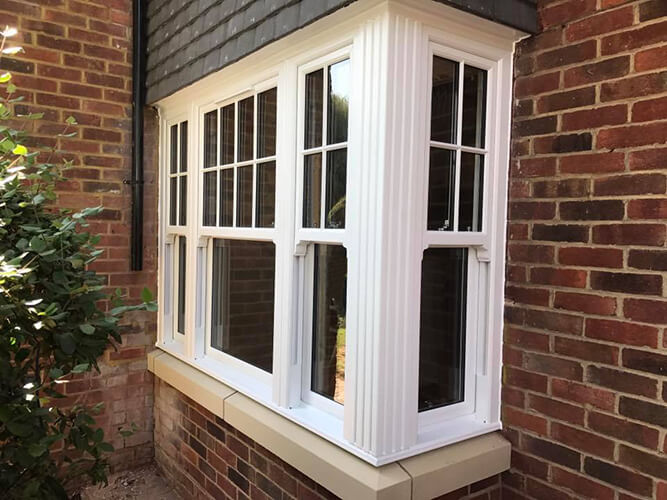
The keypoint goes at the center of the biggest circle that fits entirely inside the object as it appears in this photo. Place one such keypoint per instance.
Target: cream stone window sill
(420, 477)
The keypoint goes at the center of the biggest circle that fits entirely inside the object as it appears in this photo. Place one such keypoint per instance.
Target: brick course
(584, 367)
(77, 62)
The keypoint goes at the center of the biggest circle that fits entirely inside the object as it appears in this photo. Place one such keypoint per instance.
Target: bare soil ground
(144, 483)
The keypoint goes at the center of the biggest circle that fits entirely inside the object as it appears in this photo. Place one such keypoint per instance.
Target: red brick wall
(77, 62)
(585, 394)
(206, 458)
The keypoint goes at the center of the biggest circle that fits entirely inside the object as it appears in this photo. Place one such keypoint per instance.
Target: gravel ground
(145, 483)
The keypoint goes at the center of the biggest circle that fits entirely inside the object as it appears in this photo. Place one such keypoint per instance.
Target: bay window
(337, 252)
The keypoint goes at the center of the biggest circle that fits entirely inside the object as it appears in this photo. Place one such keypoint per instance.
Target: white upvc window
(339, 253)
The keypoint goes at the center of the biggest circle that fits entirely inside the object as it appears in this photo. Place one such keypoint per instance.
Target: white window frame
(379, 421)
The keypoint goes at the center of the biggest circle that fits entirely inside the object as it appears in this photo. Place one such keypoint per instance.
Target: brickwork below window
(585, 394)
(204, 458)
(77, 62)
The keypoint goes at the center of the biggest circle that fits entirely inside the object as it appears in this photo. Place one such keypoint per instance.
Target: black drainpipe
(138, 99)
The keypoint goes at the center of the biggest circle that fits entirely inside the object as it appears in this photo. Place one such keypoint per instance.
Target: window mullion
(236, 159)
(459, 141)
(325, 102)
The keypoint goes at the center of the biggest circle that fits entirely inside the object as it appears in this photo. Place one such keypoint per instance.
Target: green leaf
(106, 447)
(70, 120)
(5, 77)
(37, 449)
(37, 244)
(146, 295)
(20, 429)
(87, 329)
(83, 367)
(67, 343)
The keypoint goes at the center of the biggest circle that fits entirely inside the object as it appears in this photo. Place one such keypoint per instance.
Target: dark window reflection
(312, 190)
(210, 139)
(266, 194)
(474, 106)
(210, 181)
(441, 190)
(227, 197)
(314, 109)
(329, 311)
(173, 193)
(173, 146)
(444, 99)
(183, 202)
(184, 146)
(244, 197)
(338, 102)
(471, 190)
(442, 327)
(246, 128)
(243, 300)
(335, 188)
(227, 135)
(266, 123)
(182, 254)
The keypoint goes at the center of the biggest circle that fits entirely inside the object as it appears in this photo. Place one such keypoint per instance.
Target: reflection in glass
(243, 300)
(442, 327)
(266, 194)
(210, 181)
(266, 123)
(474, 106)
(338, 102)
(441, 190)
(227, 197)
(471, 190)
(244, 197)
(227, 135)
(210, 139)
(183, 201)
(329, 311)
(444, 99)
(182, 254)
(335, 188)
(173, 192)
(314, 109)
(173, 146)
(312, 190)
(184, 146)
(246, 128)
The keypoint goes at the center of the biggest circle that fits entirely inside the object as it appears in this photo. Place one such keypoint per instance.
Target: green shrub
(51, 323)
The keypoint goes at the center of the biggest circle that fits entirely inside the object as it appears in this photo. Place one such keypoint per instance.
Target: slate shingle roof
(188, 39)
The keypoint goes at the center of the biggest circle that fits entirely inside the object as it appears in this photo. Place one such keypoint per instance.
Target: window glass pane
(182, 254)
(183, 201)
(471, 190)
(243, 300)
(211, 139)
(266, 123)
(329, 310)
(312, 190)
(246, 128)
(227, 135)
(336, 175)
(173, 146)
(244, 197)
(474, 106)
(184, 146)
(314, 108)
(444, 100)
(339, 95)
(442, 327)
(441, 190)
(173, 193)
(227, 197)
(210, 181)
(266, 194)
